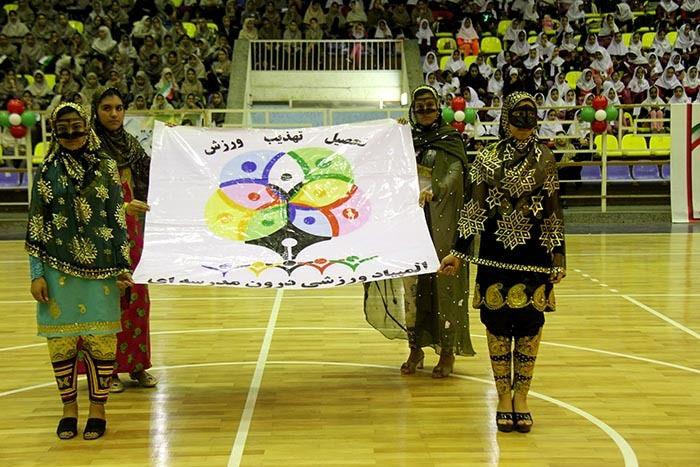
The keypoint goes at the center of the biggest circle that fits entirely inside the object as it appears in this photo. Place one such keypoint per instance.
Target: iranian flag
(167, 91)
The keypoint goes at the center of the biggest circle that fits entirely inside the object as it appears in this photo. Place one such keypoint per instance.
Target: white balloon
(600, 115)
(459, 116)
(15, 119)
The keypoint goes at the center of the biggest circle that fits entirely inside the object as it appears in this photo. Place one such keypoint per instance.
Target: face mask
(523, 117)
(71, 136)
(425, 111)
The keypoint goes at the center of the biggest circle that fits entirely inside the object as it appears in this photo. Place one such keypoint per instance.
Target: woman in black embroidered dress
(515, 210)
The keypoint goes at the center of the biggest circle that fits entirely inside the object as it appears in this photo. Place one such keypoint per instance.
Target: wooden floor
(298, 378)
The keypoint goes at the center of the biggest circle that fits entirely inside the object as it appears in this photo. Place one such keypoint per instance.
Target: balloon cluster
(457, 114)
(16, 118)
(599, 113)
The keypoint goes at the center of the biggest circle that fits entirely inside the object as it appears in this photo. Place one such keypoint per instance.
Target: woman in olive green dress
(430, 310)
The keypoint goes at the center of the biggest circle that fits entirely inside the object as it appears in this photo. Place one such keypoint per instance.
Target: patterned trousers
(99, 351)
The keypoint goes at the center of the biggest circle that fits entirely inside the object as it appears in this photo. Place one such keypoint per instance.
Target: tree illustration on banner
(286, 201)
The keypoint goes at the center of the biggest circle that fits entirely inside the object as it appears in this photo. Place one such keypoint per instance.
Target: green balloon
(588, 114)
(611, 113)
(469, 115)
(28, 118)
(5, 119)
(448, 115)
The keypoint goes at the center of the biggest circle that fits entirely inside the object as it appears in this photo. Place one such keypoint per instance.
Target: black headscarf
(123, 147)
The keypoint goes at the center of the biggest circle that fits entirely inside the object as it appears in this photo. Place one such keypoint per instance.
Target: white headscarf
(545, 51)
(684, 99)
(684, 41)
(661, 46)
(549, 128)
(667, 83)
(520, 47)
(485, 69)
(617, 48)
(425, 33)
(591, 48)
(689, 82)
(436, 85)
(607, 87)
(657, 68)
(636, 84)
(636, 47)
(624, 12)
(495, 86)
(691, 5)
(678, 66)
(428, 67)
(467, 33)
(551, 102)
(473, 98)
(658, 101)
(512, 34)
(574, 12)
(604, 64)
(668, 5)
(583, 83)
(105, 45)
(606, 30)
(531, 62)
(619, 85)
(579, 129)
(568, 44)
(562, 87)
(379, 34)
(495, 113)
(456, 66)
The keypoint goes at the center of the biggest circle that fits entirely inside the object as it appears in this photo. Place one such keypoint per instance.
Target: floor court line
(662, 316)
(249, 409)
(628, 454)
(333, 329)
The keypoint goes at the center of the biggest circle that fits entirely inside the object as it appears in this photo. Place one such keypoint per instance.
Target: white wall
(282, 86)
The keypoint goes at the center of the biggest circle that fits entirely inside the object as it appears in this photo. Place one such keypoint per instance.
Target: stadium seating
(646, 172)
(572, 77)
(190, 28)
(634, 145)
(503, 27)
(591, 173)
(647, 39)
(626, 37)
(39, 153)
(660, 145)
(446, 45)
(10, 6)
(491, 45)
(613, 147)
(619, 173)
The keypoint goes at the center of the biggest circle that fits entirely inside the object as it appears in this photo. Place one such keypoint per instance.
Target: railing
(335, 55)
(307, 117)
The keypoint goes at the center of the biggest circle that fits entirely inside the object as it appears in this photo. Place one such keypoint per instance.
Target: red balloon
(18, 131)
(15, 106)
(599, 126)
(600, 102)
(458, 103)
(459, 126)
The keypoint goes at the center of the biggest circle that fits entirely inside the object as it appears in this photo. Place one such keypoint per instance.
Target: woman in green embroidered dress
(432, 310)
(79, 261)
(515, 210)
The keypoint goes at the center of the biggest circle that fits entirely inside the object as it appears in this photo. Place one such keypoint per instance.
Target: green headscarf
(76, 215)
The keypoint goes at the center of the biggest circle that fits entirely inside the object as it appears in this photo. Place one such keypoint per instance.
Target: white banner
(685, 162)
(303, 208)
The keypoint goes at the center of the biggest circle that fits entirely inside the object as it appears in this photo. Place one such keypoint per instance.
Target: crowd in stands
(165, 54)
(565, 53)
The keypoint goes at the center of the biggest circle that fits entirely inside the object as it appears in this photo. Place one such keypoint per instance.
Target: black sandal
(505, 427)
(94, 425)
(67, 425)
(523, 417)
